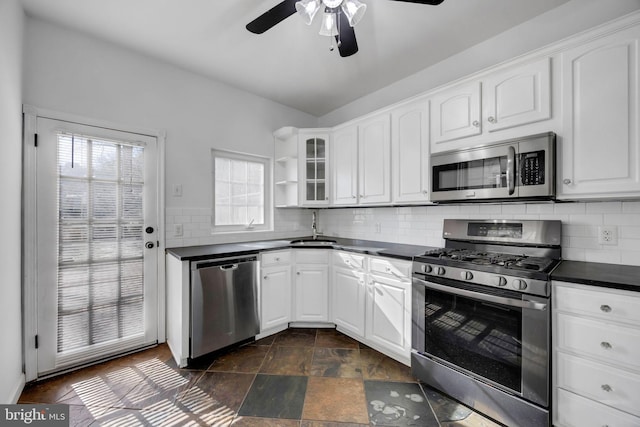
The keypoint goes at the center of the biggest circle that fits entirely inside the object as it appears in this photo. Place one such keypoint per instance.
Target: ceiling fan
(338, 20)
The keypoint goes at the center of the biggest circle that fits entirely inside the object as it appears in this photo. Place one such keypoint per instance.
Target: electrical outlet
(608, 235)
(177, 190)
(177, 230)
(378, 227)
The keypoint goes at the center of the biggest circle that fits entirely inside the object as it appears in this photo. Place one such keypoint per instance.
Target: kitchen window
(241, 192)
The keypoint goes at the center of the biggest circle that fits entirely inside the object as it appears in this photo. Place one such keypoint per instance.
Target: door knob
(149, 245)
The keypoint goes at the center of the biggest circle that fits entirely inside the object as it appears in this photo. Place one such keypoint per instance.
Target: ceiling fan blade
(348, 44)
(429, 2)
(273, 16)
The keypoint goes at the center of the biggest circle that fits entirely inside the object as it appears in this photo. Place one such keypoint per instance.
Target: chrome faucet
(314, 227)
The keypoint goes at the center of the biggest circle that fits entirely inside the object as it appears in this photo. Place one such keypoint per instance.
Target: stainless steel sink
(311, 242)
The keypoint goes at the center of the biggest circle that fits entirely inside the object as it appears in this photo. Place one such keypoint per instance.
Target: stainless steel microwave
(521, 168)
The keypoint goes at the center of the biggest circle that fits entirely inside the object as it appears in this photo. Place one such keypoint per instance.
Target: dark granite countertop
(371, 247)
(597, 274)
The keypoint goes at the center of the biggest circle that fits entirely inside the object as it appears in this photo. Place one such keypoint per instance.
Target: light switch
(177, 230)
(177, 190)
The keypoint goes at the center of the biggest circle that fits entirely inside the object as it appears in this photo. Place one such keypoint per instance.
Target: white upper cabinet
(410, 153)
(344, 166)
(314, 150)
(600, 154)
(506, 98)
(455, 114)
(374, 160)
(517, 96)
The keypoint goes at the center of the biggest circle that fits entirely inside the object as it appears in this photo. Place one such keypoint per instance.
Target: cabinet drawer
(606, 304)
(610, 343)
(275, 258)
(312, 256)
(390, 267)
(348, 260)
(576, 411)
(613, 387)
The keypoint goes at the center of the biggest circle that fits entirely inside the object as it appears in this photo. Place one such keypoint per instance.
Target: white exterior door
(96, 243)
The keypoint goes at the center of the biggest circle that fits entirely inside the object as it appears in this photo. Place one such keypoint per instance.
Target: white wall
(11, 27)
(72, 73)
(422, 225)
(558, 23)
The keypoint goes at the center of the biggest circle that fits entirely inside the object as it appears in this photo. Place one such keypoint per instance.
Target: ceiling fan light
(354, 11)
(328, 27)
(332, 4)
(308, 9)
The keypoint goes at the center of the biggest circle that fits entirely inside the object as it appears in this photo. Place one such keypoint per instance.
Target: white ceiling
(291, 63)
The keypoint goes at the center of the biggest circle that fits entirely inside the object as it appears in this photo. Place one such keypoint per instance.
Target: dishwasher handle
(228, 263)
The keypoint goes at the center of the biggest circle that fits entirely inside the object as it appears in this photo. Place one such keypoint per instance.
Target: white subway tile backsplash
(422, 225)
(604, 207)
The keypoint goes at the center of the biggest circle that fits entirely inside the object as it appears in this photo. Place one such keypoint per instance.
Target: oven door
(497, 336)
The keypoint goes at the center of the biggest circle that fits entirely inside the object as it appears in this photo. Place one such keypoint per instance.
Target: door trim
(29, 237)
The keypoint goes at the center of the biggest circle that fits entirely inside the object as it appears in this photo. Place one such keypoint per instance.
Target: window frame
(267, 192)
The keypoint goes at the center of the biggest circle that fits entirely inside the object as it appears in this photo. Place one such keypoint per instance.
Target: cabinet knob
(277, 258)
(476, 123)
(353, 197)
(491, 119)
(362, 196)
(606, 387)
(605, 345)
(265, 277)
(326, 198)
(298, 273)
(566, 181)
(605, 308)
(346, 261)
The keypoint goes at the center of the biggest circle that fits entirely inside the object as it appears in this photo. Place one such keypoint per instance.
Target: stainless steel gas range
(481, 317)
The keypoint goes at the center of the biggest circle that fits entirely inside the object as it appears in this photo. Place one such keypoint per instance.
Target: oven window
(480, 337)
(471, 175)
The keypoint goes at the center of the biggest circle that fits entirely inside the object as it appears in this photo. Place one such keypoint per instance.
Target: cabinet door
(344, 166)
(389, 314)
(410, 153)
(600, 144)
(517, 96)
(312, 293)
(314, 155)
(374, 160)
(348, 300)
(275, 296)
(455, 114)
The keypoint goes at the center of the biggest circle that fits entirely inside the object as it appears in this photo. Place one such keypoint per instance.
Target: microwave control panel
(532, 168)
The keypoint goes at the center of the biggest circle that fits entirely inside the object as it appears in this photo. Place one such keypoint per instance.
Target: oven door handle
(512, 302)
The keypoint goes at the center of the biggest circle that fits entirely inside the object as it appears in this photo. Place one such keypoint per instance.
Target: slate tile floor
(297, 378)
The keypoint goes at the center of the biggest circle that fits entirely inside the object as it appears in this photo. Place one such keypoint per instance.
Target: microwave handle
(511, 170)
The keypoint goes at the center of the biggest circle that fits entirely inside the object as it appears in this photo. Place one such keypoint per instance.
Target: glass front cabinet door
(315, 187)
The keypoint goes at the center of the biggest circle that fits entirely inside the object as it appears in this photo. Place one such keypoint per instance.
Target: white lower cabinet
(388, 319)
(275, 290)
(596, 354)
(348, 296)
(311, 286)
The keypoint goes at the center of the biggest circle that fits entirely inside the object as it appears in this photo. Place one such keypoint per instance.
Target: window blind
(100, 241)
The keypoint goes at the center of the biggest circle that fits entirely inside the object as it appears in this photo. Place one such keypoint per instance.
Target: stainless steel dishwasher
(224, 303)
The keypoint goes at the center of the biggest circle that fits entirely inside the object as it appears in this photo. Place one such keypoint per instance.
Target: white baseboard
(17, 390)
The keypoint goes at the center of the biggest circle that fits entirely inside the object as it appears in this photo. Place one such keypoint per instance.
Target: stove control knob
(520, 284)
(466, 275)
(502, 281)
(427, 268)
(440, 271)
